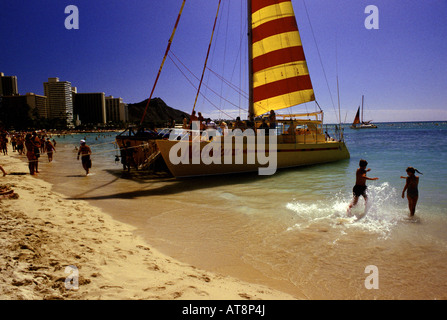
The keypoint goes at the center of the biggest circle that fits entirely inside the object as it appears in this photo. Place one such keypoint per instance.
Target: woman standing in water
(411, 186)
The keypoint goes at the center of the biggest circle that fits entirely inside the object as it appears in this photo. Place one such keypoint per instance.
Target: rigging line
(217, 94)
(207, 55)
(200, 92)
(164, 59)
(213, 53)
(232, 86)
(225, 46)
(319, 55)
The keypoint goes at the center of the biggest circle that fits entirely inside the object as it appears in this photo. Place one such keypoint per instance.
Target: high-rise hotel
(60, 101)
(8, 85)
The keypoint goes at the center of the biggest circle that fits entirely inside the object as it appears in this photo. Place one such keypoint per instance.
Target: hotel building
(60, 101)
(90, 108)
(8, 85)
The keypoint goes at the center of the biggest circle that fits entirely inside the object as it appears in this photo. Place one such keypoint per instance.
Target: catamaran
(278, 79)
(359, 123)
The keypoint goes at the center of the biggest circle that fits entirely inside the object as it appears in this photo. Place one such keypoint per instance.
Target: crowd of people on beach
(30, 144)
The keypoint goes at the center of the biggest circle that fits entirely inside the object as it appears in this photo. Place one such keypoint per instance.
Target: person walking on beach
(19, 145)
(4, 143)
(360, 185)
(36, 141)
(85, 152)
(411, 187)
(30, 154)
(49, 148)
(2, 170)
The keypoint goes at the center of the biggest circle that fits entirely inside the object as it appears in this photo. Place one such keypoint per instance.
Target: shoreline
(42, 233)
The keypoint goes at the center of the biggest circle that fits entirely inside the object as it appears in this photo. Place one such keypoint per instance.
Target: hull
(370, 126)
(287, 155)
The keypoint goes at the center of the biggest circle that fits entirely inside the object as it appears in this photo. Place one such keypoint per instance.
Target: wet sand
(42, 233)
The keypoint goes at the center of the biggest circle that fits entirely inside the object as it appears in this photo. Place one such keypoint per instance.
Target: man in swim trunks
(85, 152)
(360, 184)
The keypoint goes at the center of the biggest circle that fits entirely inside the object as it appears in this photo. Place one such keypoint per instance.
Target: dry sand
(41, 233)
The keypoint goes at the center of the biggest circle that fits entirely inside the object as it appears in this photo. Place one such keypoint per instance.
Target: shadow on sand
(156, 184)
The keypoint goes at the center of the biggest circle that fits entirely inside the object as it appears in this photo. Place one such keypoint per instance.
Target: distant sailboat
(358, 122)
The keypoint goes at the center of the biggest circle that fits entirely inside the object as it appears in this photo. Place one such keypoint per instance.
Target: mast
(362, 108)
(251, 113)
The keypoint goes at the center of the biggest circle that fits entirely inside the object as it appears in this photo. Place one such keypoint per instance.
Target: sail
(280, 74)
(357, 117)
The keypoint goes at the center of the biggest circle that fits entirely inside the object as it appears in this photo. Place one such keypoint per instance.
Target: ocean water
(290, 230)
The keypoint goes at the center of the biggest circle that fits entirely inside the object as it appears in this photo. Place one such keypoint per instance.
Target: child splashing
(411, 186)
(360, 185)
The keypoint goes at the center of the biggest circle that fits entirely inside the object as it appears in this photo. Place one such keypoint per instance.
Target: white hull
(287, 155)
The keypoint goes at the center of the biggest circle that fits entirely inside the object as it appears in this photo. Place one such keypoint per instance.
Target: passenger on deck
(192, 118)
(264, 126)
(291, 129)
(272, 119)
(239, 124)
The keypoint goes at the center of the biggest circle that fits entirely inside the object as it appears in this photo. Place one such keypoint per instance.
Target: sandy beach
(42, 233)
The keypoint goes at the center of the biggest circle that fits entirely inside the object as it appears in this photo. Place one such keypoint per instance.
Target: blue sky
(401, 68)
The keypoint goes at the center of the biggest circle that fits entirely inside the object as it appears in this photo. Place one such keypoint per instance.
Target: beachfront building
(8, 85)
(35, 104)
(90, 108)
(116, 110)
(60, 101)
(38, 105)
(21, 111)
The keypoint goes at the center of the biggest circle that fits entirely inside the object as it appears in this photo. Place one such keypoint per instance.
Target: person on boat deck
(272, 119)
(200, 117)
(192, 118)
(239, 124)
(360, 185)
(210, 124)
(185, 122)
(223, 128)
(202, 121)
(171, 122)
(411, 186)
(264, 126)
(291, 129)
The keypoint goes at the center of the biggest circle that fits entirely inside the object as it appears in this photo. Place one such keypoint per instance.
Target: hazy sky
(401, 68)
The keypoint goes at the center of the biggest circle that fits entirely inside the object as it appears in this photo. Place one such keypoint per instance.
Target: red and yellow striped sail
(280, 75)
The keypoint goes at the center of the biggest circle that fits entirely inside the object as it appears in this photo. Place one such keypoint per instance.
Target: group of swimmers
(411, 187)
